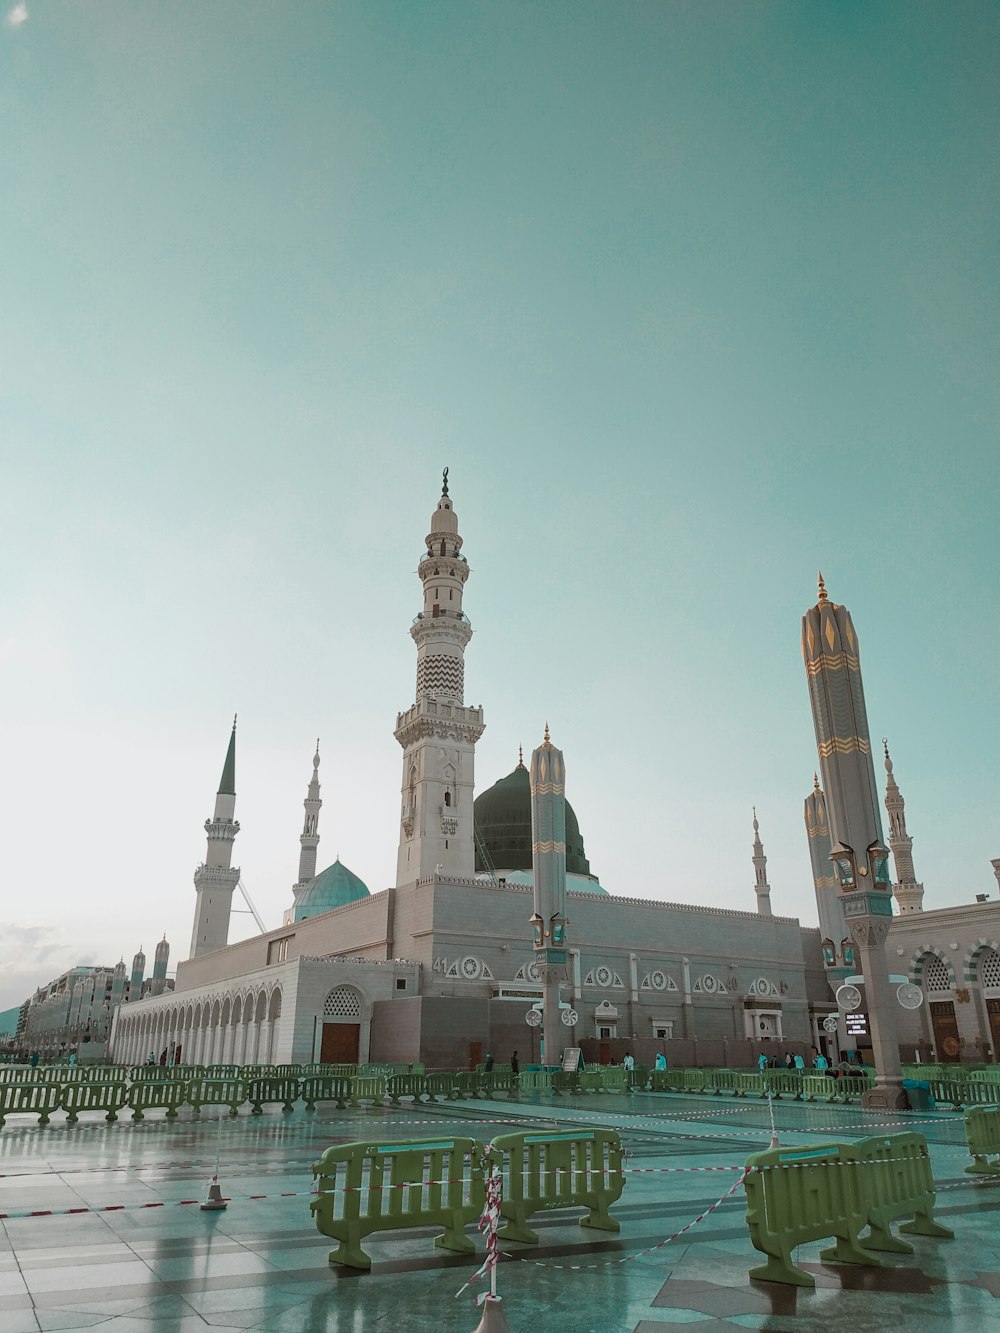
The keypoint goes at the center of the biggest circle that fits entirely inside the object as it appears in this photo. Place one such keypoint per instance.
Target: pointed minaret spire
(520, 756)
(160, 959)
(761, 886)
(821, 589)
(216, 878)
(438, 733)
(908, 893)
(138, 972)
(309, 837)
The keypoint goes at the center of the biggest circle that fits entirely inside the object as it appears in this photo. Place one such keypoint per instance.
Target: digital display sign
(856, 1025)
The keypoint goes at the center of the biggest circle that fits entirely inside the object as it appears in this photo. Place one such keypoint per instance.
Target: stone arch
(274, 1004)
(343, 1002)
(972, 964)
(920, 962)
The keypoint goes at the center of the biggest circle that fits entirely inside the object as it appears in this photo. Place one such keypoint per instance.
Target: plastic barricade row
(217, 1091)
(223, 1071)
(269, 1090)
(108, 1096)
(367, 1088)
(535, 1080)
(325, 1088)
(896, 1181)
(366, 1188)
(577, 1169)
(982, 1133)
(441, 1087)
(783, 1083)
(164, 1094)
(32, 1098)
(819, 1087)
(405, 1085)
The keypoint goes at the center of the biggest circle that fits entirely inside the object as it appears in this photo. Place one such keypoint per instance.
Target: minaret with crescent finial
(309, 837)
(761, 886)
(439, 732)
(216, 878)
(908, 893)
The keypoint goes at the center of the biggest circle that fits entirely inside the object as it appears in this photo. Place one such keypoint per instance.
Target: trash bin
(918, 1095)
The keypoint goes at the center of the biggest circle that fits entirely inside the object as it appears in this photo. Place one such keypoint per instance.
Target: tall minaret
(118, 984)
(548, 865)
(761, 886)
(309, 837)
(138, 972)
(859, 858)
(831, 913)
(908, 893)
(160, 959)
(439, 733)
(215, 879)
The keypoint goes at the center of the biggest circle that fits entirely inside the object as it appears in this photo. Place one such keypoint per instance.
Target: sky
(694, 299)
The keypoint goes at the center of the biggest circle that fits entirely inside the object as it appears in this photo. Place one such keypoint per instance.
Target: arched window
(936, 975)
(342, 1002)
(989, 969)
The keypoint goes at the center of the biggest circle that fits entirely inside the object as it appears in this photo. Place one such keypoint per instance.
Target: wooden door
(945, 1025)
(604, 1057)
(341, 1042)
(993, 1009)
(475, 1054)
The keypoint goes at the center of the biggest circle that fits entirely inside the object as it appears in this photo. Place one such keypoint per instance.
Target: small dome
(333, 887)
(502, 816)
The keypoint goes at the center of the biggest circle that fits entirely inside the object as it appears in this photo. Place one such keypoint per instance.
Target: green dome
(333, 887)
(502, 816)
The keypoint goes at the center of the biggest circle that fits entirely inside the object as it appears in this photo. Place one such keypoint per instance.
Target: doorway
(341, 1043)
(993, 1009)
(475, 1054)
(945, 1026)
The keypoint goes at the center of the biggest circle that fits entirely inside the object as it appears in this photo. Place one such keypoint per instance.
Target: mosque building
(440, 966)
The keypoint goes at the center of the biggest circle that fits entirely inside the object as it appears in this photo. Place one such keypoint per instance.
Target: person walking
(488, 1066)
(515, 1067)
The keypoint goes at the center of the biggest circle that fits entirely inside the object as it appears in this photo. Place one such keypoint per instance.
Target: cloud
(17, 15)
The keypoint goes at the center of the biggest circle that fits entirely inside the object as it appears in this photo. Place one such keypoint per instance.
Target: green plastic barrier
(742, 1084)
(960, 1094)
(990, 1075)
(578, 1169)
(271, 1088)
(589, 1080)
(367, 1088)
(563, 1082)
(282, 1071)
(139, 1073)
(34, 1097)
(155, 1095)
(982, 1132)
(325, 1088)
(441, 1087)
(819, 1087)
(405, 1085)
(217, 1091)
(796, 1195)
(500, 1080)
(638, 1080)
(17, 1074)
(896, 1181)
(536, 1080)
(694, 1080)
(852, 1087)
(783, 1083)
(344, 1070)
(468, 1082)
(613, 1078)
(421, 1183)
(108, 1096)
(667, 1080)
(222, 1071)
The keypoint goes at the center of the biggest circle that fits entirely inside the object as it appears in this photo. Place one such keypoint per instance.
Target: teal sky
(692, 298)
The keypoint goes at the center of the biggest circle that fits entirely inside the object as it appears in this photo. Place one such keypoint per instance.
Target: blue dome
(333, 887)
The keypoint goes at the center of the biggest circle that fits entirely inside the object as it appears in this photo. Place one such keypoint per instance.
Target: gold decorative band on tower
(549, 845)
(844, 745)
(825, 881)
(831, 662)
(818, 830)
(547, 789)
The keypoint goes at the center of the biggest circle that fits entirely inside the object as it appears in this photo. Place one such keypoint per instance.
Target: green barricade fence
(344, 1070)
(108, 1095)
(104, 1073)
(694, 1080)
(667, 1080)
(441, 1087)
(895, 1181)
(17, 1074)
(405, 1085)
(990, 1075)
(719, 1081)
(783, 1083)
(536, 1080)
(29, 1098)
(579, 1169)
(267, 1089)
(852, 1087)
(982, 1132)
(156, 1072)
(325, 1088)
(367, 1088)
(223, 1071)
(796, 1195)
(743, 1084)
(283, 1071)
(502, 1080)
(468, 1082)
(565, 1082)
(162, 1094)
(819, 1087)
(65, 1074)
(364, 1188)
(613, 1078)
(217, 1091)
(639, 1078)
(589, 1080)
(958, 1094)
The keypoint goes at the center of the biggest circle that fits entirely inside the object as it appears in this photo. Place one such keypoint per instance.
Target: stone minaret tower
(138, 972)
(908, 893)
(548, 865)
(118, 984)
(831, 914)
(215, 879)
(860, 860)
(309, 837)
(160, 960)
(761, 886)
(439, 733)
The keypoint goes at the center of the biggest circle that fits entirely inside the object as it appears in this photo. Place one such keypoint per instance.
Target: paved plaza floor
(261, 1264)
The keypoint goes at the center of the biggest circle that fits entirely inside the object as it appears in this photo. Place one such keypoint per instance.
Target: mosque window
(447, 798)
(342, 1002)
(936, 975)
(989, 969)
(442, 548)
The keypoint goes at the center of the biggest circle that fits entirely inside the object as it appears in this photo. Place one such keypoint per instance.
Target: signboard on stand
(571, 1059)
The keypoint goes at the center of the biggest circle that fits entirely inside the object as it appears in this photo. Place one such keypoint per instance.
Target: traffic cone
(215, 1202)
(494, 1320)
